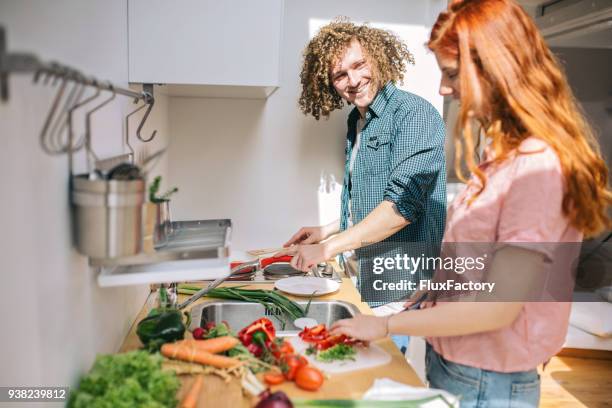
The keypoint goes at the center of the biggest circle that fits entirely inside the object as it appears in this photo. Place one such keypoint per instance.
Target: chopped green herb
(339, 352)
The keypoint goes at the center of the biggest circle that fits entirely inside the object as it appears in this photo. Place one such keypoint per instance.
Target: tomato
(274, 378)
(281, 348)
(286, 348)
(291, 364)
(309, 378)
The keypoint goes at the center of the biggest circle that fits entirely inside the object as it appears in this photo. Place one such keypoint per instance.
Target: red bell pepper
(255, 342)
(320, 338)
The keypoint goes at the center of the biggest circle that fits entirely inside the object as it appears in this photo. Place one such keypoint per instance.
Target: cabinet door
(205, 42)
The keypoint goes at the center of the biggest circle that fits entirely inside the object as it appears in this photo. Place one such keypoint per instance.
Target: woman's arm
(515, 272)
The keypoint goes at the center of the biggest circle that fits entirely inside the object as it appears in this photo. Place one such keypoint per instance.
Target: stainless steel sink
(240, 314)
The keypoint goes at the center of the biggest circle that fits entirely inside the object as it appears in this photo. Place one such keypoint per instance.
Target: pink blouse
(521, 203)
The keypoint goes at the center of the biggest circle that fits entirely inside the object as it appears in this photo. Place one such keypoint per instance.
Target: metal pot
(107, 216)
(163, 224)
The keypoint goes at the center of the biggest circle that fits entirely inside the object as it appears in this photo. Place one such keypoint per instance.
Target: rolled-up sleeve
(417, 159)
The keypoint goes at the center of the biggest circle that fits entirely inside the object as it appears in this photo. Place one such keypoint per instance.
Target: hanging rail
(25, 63)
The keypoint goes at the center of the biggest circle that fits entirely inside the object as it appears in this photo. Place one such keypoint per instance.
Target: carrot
(185, 352)
(192, 396)
(216, 345)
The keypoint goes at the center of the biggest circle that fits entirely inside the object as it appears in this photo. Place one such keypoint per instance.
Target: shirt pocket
(377, 154)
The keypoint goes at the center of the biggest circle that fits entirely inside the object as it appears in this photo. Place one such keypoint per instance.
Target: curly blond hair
(385, 52)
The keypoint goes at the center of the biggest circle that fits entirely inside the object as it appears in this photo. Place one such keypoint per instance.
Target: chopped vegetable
(126, 380)
(309, 378)
(339, 352)
(161, 326)
(189, 353)
(319, 338)
(191, 399)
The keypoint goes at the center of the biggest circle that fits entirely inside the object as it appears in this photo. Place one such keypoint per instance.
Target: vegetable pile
(260, 339)
(328, 348)
(133, 379)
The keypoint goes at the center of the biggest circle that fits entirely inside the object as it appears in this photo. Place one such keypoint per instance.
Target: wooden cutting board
(215, 392)
(367, 357)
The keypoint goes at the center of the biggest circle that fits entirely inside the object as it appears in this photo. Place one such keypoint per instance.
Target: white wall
(54, 317)
(259, 162)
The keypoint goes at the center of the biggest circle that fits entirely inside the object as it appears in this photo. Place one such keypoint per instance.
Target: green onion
(270, 299)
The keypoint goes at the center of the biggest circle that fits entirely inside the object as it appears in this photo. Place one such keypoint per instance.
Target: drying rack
(196, 250)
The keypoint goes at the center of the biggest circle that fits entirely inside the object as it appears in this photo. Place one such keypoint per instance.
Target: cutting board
(367, 357)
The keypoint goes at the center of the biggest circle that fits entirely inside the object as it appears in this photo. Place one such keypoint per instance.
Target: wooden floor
(582, 381)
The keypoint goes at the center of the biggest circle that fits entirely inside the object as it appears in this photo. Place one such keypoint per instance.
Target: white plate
(306, 285)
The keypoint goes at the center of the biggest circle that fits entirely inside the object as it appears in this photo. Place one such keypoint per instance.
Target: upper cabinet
(576, 23)
(209, 48)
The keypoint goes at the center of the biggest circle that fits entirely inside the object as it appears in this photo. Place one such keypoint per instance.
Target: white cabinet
(224, 48)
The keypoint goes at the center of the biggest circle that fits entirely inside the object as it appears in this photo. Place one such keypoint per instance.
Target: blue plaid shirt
(400, 159)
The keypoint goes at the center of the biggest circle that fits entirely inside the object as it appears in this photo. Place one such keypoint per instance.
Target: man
(394, 186)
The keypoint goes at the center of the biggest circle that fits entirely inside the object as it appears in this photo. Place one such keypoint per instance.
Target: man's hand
(306, 256)
(362, 327)
(312, 235)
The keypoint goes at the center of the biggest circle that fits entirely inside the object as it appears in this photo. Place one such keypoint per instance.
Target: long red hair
(512, 87)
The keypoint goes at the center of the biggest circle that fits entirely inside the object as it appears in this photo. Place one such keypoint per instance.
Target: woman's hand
(362, 327)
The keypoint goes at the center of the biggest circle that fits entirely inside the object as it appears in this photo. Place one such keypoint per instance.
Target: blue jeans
(480, 388)
(401, 342)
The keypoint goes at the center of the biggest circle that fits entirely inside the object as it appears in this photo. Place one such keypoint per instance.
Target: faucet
(217, 282)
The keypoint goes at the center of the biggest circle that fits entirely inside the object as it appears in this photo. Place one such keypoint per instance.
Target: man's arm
(384, 221)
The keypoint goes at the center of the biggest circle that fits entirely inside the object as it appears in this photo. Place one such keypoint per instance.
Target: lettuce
(133, 379)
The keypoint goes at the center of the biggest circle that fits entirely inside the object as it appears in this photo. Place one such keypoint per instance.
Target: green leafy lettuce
(133, 379)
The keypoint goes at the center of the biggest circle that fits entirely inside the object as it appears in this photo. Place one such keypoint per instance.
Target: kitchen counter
(350, 385)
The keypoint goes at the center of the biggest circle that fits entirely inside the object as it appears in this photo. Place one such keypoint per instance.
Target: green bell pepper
(161, 326)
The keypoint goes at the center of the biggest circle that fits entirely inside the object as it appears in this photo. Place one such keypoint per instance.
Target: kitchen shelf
(194, 250)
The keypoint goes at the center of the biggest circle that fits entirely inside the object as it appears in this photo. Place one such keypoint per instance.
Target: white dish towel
(385, 389)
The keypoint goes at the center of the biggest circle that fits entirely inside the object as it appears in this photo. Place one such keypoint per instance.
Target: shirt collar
(378, 105)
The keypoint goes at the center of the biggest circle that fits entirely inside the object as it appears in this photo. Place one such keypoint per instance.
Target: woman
(542, 180)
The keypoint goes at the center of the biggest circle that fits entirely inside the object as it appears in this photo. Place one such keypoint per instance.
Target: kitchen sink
(240, 314)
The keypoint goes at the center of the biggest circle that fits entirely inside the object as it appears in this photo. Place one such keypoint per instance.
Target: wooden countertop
(340, 386)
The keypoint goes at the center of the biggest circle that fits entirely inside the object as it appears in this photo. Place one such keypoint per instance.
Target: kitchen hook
(150, 102)
(60, 124)
(127, 130)
(90, 152)
(43, 133)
